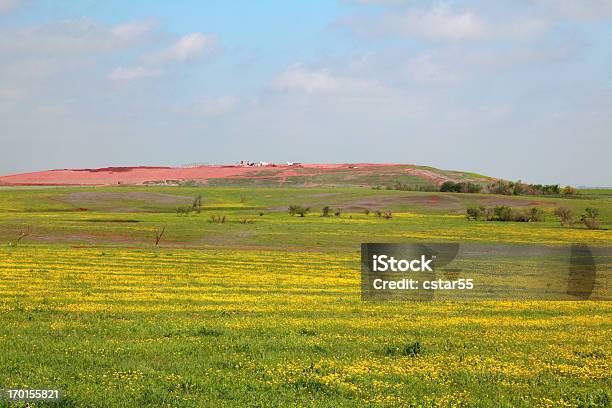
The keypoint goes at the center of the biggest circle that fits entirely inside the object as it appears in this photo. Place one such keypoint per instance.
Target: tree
(197, 204)
(298, 210)
(589, 218)
(502, 213)
(569, 190)
(450, 187)
(474, 213)
(159, 234)
(566, 218)
(23, 232)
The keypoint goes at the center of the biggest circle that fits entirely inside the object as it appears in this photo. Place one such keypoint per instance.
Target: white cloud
(187, 48)
(7, 6)
(133, 29)
(297, 78)
(431, 68)
(129, 73)
(439, 23)
(523, 27)
(215, 106)
(71, 37)
(578, 9)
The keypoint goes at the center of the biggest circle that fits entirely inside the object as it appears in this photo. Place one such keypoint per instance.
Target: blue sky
(517, 89)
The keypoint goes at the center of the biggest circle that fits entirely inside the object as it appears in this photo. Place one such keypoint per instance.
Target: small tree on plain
(23, 233)
(566, 218)
(298, 210)
(159, 234)
(569, 191)
(589, 218)
(197, 204)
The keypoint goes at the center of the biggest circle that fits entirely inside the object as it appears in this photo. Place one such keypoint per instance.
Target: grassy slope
(361, 176)
(268, 313)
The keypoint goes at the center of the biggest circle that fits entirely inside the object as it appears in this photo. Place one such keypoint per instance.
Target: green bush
(569, 190)
(475, 213)
(449, 186)
(217, 219)
(589, 218)
(409, 349)
(565, 216)
(298, 210)
(504, 213)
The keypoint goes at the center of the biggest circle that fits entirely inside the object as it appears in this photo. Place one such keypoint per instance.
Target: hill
(302, 175)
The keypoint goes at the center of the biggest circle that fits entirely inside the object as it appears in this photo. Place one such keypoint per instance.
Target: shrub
(205, 331)
(23, 233)
(366, 211)
(338, 212)
(565, 216)
(589, 218)
(184, 210)
(325, 211)
(501, 187)
(502, 213)
(474, 213)
(551, 189)
(197, 204)
(569, 190)
(409, 349)
(189, 183)
(304, 331)
(245, 221)
(450, 187)
(401, 186)
(591, 212)
(517, 188)
(535, 214)
(159, 234)
(473, 188)
(590, 223)
(217, 219)
(298, 210)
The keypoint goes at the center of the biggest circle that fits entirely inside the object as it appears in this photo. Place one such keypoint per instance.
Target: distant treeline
(504, 213)
(508, 188)
(503, 187)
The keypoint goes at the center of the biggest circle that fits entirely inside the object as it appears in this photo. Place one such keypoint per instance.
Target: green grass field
(264, 310)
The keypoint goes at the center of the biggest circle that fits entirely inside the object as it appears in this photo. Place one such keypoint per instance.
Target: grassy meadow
(264, 309)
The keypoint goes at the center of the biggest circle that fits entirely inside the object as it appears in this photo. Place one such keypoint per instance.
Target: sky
(517, 89)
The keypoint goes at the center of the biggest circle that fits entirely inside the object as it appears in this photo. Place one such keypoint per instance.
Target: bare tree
(159, 234)
(23, 232)
(197, 204)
